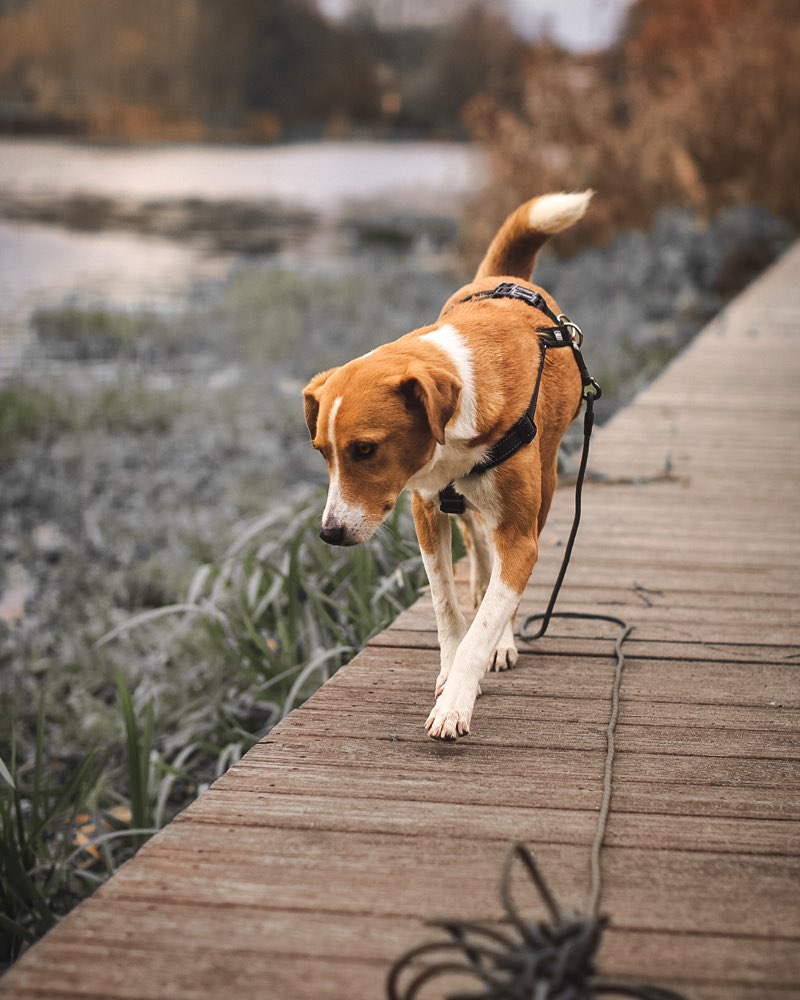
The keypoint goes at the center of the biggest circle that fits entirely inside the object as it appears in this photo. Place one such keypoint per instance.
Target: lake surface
(49, 252)
(318, 176)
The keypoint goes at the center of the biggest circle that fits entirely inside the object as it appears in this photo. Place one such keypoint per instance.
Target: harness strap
(510, 290)
(524, 430)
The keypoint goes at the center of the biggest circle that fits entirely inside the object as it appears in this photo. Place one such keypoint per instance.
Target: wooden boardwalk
(308, 868)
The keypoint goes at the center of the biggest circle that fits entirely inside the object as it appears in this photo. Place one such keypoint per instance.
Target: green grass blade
(16, 930)
(5, 774)
(37, 764)
(133, 747)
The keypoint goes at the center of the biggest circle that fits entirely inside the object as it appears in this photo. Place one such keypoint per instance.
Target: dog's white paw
(447, 724)
(441, 680)
(505, 656)
(451, 715)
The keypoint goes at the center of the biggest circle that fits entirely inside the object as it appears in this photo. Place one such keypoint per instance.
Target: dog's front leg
(516, 553)
(433, 532)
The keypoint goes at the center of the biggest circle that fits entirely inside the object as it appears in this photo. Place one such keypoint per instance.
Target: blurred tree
(187, 67)
(134, 68)
(223, 37)
(433, 72)
(93, 59)
(723, 77)
(478, 53)
(303, 69)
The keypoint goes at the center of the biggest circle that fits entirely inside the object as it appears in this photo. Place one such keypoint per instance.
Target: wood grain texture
(312, 863)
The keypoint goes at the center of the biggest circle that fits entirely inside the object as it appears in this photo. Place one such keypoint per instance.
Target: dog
(423, 411)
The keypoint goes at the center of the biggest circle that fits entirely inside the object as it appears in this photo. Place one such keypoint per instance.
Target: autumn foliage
(186, 69)
(257, 70)
(698, 103)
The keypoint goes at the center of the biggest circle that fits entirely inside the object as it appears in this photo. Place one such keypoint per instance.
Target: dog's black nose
(333, 536)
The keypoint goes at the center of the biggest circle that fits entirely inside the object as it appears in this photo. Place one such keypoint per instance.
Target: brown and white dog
(420, 412)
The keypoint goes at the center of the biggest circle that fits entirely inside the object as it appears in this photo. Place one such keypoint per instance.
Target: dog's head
(376, 421)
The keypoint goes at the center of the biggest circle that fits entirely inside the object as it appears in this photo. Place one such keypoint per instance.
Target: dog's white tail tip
(553, 212)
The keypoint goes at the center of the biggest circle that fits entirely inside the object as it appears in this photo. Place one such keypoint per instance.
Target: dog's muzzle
(335, 536)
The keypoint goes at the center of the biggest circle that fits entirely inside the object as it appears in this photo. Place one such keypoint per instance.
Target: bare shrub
(698, 104)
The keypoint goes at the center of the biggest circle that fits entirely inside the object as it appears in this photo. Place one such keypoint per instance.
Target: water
(137, 254)
(319, 176)
(40, 264)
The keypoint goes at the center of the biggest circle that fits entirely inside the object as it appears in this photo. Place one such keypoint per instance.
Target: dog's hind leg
(549, 482)
(506, 654)
(479, 550)
(433, 532)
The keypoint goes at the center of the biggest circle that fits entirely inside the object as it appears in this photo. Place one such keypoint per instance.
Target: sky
(578, 24)
(582, 25)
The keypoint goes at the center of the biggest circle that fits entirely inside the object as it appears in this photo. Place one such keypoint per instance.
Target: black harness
(563, 333)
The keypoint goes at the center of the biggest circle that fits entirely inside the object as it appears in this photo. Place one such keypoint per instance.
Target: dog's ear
(311, 400)
(435, 391)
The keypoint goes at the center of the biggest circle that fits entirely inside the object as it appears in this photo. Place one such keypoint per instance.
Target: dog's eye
(362, 450)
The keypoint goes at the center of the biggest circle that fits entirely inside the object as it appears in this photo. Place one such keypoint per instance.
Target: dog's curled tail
(513, 250)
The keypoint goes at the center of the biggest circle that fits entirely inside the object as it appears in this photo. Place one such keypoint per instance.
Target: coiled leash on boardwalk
(544, 960)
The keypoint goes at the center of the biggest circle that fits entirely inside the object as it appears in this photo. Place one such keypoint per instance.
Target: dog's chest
(452, 465)
(449, 462)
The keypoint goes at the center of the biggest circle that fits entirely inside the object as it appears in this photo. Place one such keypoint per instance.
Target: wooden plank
(262, 934)
(783, 656)
(717, 604)
(684, 681)
(296, 746)
(344, 871)
(465, 822)
(558, 782)
(306, 979)
(121, 975)
(650, 624)
(511, 693)
(491, 730)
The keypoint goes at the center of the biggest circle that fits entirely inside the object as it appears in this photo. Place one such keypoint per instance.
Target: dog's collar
(564, 333)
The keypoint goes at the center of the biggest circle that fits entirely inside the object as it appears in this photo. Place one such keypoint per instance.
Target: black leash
(552, 960)
(588, 425)
(532, 960)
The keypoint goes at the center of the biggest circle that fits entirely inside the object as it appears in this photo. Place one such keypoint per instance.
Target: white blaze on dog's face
(376, 421)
